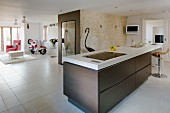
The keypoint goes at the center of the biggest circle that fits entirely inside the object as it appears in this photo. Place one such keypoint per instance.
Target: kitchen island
(96, 85)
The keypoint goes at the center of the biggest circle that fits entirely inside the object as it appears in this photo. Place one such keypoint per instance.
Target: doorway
(157, 31)
(68, 38)
(68, 34)
(154, 31)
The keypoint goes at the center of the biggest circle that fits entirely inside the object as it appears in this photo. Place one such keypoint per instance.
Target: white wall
(9, 24)
(157, 31)
(149, 32)
(51, 33)
(52, 30)
(140, 20)
(33, 32)
(132, 20)
(153, 27)
(22, 37)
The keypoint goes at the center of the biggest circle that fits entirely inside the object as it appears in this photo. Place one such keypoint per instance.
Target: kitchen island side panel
(81, 85)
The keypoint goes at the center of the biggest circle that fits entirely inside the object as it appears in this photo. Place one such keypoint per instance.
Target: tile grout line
(30, 100)
(31, 90)
(5, 106)
(36, 98)
(20, 102)
(44, 109)
(2, 98)
(11, 97)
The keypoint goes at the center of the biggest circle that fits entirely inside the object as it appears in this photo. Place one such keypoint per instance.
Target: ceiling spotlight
(15, 23)
(165, 11)
(24, 20)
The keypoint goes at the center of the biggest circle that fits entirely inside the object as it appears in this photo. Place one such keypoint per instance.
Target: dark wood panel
(142, 75)
(113, 74)
(142, 61)
(99, 91)
(81, 85)
(66, 17)
(112, 96)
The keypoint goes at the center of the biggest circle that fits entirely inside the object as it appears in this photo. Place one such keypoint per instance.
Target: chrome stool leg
(159, 74)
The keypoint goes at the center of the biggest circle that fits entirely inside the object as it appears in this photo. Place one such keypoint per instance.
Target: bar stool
(158, 56)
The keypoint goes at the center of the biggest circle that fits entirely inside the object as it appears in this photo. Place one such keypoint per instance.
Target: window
(15, 34)
(6, 35)
(45, 30)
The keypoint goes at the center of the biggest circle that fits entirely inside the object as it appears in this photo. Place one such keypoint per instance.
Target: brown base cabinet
(98, 91)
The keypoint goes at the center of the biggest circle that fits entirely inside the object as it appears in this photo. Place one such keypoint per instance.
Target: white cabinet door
(166, 38)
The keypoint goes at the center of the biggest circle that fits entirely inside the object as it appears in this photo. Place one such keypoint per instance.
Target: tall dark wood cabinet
(98, 91)
(73, 16)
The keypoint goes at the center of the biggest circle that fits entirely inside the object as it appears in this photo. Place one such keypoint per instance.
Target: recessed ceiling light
(165, 11)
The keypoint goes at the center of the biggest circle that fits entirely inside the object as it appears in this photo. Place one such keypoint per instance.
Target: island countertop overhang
(129, 51)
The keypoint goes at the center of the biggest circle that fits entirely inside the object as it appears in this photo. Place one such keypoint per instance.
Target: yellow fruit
(113, 48)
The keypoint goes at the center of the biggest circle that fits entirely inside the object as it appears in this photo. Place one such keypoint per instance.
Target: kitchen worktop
(100, 64)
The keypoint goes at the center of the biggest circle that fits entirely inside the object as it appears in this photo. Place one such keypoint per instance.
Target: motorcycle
(34, 46)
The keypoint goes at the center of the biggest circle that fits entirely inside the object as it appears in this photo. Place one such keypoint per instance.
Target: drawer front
(112, 96)
(142, 75)
(114, 74)
(142, 61)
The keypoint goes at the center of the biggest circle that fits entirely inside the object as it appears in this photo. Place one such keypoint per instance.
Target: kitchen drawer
(112, 96)
(114, 74)
(142, 75)
(142, 61)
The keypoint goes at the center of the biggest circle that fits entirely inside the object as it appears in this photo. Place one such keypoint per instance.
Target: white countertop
(129, 51)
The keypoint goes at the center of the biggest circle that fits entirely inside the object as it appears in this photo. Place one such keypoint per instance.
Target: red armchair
(15, 47)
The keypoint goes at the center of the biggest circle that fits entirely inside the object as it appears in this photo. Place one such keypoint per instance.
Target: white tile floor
(36, 87)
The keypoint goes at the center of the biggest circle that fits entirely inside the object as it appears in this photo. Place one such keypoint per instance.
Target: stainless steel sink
(104, 55)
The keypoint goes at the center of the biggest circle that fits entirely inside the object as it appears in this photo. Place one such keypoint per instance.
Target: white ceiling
(137, 7)
(46, 10)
